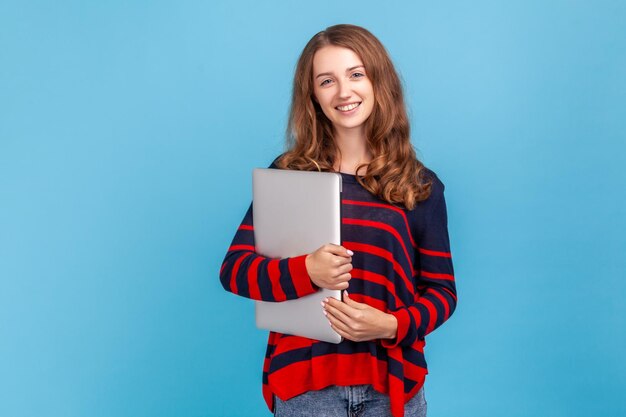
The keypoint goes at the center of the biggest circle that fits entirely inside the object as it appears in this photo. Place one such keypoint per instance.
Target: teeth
(348, 107)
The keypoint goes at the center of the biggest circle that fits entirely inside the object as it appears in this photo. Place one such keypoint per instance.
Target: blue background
(128, 132)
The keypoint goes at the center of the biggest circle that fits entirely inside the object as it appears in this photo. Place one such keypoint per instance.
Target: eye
(360, 74)
(324, 82)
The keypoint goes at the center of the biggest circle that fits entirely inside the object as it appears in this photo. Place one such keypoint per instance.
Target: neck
(353, 148)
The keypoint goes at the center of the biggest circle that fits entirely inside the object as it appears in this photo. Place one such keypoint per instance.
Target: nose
(344, 89)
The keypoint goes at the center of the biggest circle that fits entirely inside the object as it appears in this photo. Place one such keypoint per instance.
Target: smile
(348, 107)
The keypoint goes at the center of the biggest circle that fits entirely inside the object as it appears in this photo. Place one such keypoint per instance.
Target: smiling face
(342, 87)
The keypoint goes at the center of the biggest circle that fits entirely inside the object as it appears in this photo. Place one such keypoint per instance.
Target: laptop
(294, 213)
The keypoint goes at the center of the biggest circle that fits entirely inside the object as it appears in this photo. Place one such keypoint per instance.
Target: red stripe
(396, 387)
(233, 274)
(300, 276)
(378, 279)
(273, 269)
(253, 281)
(434, 275)
(370, 301)
(343, 370)
(285, 344)
(386, 206)
(432, 313)
(246, 227)
(435, 253)
(241, 247)
(443, 301)
(382, 226)
(417, 315)
(330, 369)
(375, 250)
(273, 338)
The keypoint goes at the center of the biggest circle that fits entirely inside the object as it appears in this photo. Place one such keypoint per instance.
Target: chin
(352, 125)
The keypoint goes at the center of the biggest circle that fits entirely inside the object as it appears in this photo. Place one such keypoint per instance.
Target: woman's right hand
(329, 266)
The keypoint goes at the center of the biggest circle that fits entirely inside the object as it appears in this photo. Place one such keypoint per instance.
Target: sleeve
(246, 273)
(435, 297)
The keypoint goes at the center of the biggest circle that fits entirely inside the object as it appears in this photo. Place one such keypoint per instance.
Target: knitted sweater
(401, 265)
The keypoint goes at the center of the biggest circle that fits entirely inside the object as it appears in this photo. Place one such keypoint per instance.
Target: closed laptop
(294, 213)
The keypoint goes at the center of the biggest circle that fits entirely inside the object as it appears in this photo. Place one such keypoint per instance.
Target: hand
(329, 267)
(357, 321)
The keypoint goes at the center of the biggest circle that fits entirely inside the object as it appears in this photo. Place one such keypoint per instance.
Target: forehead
(334, 59)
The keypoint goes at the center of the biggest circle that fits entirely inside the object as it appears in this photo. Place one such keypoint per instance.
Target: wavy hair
(394, 174)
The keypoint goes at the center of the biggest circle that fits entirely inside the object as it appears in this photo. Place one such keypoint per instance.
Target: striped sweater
(401, 265)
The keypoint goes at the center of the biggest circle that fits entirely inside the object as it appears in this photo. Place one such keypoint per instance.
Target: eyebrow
(330, 73)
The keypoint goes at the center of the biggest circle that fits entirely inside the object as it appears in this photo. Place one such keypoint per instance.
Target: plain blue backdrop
(128, 132)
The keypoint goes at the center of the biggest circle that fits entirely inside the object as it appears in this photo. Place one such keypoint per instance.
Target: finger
(339, 315)
(339, 261)
(340, 286)
(345, 267)
(343, 333)
(342, 277)
(338, 250)
(350, 302)
(339, 323)
(341, 310)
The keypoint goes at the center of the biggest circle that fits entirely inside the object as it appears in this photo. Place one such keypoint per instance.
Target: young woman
(348, 115)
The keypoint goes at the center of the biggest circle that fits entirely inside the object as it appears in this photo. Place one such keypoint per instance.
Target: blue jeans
(353, 401)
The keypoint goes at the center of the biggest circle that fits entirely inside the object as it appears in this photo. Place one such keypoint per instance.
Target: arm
(250, 275)
(246, 273)
(435, 298)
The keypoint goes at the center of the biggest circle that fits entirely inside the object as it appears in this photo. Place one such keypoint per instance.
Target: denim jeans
(352, 401)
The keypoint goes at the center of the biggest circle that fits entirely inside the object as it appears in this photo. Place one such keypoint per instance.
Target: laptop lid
(294, 213)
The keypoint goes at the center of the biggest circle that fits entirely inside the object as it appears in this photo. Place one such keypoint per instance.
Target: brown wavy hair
(394, 174)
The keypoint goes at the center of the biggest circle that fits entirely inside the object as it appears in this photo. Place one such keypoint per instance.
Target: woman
(348, 116)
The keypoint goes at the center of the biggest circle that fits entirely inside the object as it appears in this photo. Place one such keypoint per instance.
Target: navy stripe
(374, 236)
(411, 334)
(385, 241)
(285, 280)
(408, 385)
(425, 318)
(270, 350)
(247, 237)
(383, 215)
(415, 357)
(243, 288)
(374, 290)
(380, 266)
(321, 349)
(395, 368)
(265, 285)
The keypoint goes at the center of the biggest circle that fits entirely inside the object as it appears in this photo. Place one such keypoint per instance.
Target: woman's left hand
(357, 321)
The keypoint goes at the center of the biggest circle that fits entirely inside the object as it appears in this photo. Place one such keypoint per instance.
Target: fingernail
(325, 313)
(322, 303)
(346, 292)
(325, 300)
(350, 252)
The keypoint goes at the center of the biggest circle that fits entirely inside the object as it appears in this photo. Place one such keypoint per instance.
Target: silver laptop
(294, 213)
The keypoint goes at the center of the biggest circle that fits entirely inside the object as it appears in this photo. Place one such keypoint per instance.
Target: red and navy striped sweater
(401, 265)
